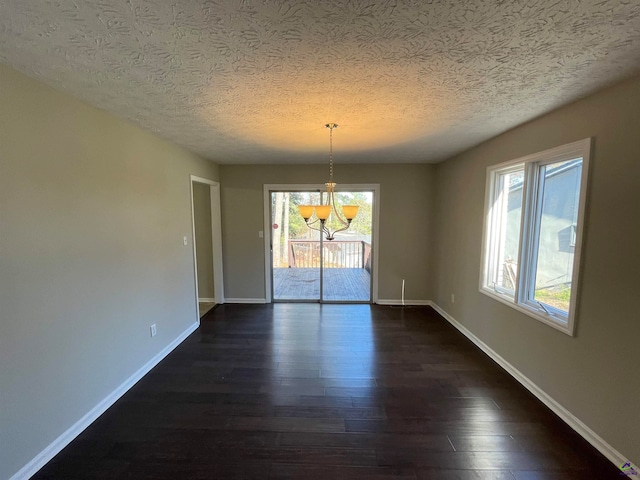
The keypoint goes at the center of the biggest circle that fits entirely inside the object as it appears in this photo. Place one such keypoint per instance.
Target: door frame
(216, 240)
(295, 187)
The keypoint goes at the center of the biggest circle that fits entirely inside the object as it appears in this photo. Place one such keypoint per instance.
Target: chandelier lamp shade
(328, 210)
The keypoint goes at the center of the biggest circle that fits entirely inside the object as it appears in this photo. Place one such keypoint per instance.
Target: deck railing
(337, 254)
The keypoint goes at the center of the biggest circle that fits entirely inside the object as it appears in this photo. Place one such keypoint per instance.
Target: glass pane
(347, 258)
(505, 231)
(558, 215)
(296, 248)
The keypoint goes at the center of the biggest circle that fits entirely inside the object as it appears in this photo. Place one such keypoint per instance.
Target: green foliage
(297, 227)
(557, 296)
(361, 225)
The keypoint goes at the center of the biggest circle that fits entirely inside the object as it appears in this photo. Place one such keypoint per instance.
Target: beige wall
(406, 204)
(594, 375)
(204, 247)
(92, 215)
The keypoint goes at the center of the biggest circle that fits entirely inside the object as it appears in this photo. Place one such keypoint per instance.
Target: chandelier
(324, 212)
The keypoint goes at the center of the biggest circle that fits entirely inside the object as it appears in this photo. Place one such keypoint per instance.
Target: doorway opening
(305, 267)
(207, 243)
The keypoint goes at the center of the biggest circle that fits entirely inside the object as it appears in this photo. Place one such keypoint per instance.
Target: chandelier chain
(331, 126)
(328, 210)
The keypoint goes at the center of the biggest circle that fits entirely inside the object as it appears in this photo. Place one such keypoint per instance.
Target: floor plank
(328, 391)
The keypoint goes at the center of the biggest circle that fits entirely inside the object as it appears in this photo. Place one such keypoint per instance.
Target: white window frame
(529, 231)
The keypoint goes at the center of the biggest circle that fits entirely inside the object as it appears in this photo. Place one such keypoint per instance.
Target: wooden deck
(340, 284)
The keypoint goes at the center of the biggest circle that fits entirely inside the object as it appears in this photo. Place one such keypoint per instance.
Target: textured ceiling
(255, 81)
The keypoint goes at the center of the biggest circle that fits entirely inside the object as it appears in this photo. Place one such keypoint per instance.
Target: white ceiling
(254, 81)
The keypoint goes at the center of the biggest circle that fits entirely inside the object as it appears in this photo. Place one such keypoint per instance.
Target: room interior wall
(204, 247)
(93, 211)
(593, 374)
(404, 237)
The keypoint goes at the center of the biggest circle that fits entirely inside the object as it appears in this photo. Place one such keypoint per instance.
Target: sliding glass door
(295, 249)
(307, 267)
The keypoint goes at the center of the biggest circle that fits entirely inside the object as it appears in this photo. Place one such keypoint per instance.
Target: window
(533, 229)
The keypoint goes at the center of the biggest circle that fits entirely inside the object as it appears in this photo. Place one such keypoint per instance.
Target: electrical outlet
(453, 298)
(153, 330)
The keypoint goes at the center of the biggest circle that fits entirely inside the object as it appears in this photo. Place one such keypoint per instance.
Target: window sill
(552, 321)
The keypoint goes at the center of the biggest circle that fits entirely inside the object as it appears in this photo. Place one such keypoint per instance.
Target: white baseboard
(245, 300)
(76, 429)
(206, 300)
(569, 418)
(381, 301)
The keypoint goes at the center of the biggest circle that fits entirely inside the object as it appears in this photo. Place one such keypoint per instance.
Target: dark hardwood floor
(328, 392)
